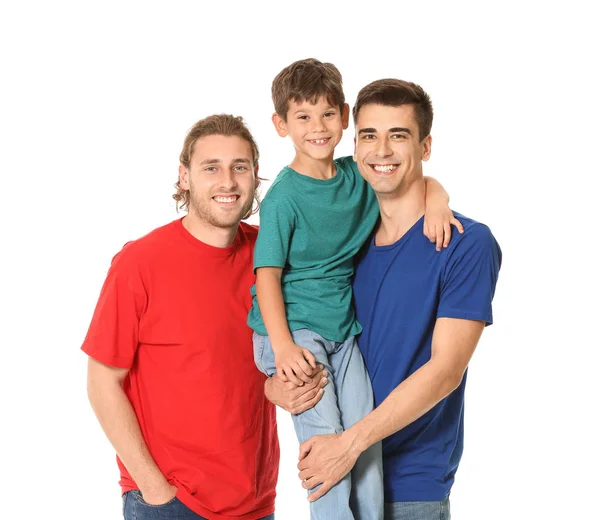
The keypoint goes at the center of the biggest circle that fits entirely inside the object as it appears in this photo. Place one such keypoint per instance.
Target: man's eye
(398, 136)
(241, 168)
(210, 169)
(368, 137)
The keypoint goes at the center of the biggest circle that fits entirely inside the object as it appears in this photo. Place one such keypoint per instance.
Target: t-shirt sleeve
(274, 234)
(112, 337)
(470, 276)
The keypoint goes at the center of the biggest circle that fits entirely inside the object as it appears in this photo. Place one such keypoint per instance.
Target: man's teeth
(384, 168)
(225, 199)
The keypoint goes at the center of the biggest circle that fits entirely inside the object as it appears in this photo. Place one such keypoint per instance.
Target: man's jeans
(347, 399)
(417, 510)
(134, 508)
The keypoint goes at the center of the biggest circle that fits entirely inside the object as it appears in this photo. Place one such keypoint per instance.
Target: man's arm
(120, 424)
(327, 459)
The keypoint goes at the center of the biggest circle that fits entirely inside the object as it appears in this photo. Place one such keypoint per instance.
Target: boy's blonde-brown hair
(218, 124)
(307, 80)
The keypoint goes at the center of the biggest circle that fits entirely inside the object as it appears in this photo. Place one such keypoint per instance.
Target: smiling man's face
(221, 180)
(387, 148)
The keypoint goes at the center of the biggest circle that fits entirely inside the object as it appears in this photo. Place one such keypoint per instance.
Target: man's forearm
(411, 399)
(120, 424)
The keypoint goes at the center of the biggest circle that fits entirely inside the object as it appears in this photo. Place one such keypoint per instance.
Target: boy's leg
(324, 418)
(355, 400)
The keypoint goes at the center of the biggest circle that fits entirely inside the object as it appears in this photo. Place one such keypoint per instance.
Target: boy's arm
(119, 422)
(438, 215)
(294, 363)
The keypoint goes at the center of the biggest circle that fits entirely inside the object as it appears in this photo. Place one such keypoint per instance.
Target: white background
(96, 98)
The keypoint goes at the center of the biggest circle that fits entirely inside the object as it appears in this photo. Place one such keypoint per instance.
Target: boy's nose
(318, 125)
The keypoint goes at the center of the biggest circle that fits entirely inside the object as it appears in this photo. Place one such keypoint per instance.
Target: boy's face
(315, 130)
(221, 180)
(387, 149)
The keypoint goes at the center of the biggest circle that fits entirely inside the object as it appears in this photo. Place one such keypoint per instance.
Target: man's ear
(354, 152)
(184, 182)
(280, 125)
(426, 147)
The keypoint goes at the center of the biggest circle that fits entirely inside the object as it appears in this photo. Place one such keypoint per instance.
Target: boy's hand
(437, 222)
(295, 364)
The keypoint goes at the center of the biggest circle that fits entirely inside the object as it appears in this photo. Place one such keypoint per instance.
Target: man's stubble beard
(203, 211)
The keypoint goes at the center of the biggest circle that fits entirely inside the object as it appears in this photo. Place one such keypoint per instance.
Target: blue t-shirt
(399, 291)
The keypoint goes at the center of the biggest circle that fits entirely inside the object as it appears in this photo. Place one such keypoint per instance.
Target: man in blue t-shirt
(422, 314)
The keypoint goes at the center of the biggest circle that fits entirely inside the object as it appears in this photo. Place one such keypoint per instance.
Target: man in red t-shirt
(171, 375)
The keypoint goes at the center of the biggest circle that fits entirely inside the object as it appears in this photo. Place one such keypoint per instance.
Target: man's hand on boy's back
(294, 363)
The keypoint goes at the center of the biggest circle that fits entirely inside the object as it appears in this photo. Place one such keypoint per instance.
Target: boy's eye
(304, 118)
(329, 114)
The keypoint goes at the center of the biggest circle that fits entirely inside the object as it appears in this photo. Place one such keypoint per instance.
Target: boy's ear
(280, 125)
(183, 178)
(345, 116)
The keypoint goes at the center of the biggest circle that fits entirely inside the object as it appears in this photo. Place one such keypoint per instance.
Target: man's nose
(383, 148)
(228, 179)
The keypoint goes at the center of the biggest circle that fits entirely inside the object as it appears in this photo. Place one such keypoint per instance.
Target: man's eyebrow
(211, 161)
(399, 129)
(239, 160)
(367, 131)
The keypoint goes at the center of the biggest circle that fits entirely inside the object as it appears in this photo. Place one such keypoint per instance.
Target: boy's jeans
(348, 398)
(134, 508)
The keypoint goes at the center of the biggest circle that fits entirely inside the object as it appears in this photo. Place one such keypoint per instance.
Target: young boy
(314, 219)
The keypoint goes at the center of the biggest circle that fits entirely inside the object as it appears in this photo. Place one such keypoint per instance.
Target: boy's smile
(320, 142)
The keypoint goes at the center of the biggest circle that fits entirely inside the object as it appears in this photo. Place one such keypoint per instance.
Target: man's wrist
(154, 485)
(356, 440)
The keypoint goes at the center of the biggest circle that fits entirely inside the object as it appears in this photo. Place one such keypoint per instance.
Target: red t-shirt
(173, 311)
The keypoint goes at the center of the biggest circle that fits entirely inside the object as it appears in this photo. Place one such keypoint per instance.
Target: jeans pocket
(140, 499)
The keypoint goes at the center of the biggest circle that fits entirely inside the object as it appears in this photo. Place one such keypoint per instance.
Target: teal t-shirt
(312, 229)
